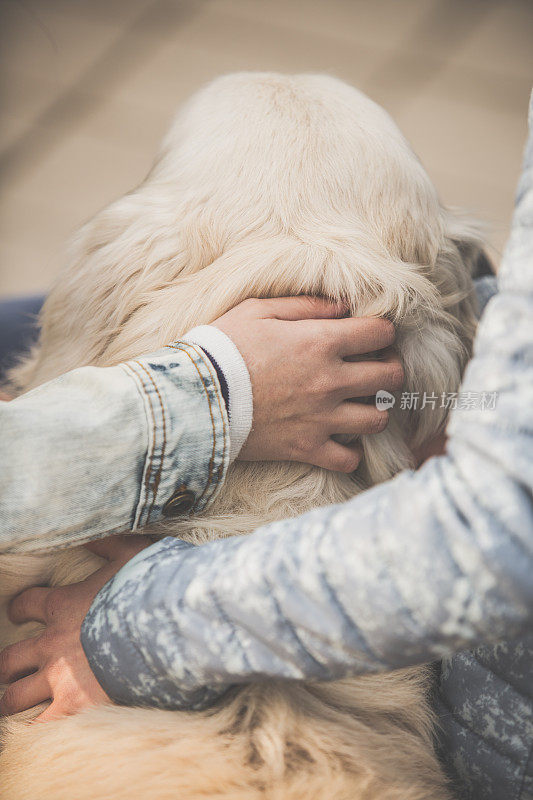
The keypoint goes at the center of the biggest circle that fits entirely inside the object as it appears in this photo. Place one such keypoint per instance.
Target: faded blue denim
(100, 451)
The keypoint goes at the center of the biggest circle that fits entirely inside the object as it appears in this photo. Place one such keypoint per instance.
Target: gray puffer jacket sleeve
(428, 564)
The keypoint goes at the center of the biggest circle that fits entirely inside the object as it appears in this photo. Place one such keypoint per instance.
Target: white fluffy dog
(266, 185)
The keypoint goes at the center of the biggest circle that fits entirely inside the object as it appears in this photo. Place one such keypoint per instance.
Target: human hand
(52, 665)
(295, 350)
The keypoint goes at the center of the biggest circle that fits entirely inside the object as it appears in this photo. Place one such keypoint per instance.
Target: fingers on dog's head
(302, 307)
(361, 335)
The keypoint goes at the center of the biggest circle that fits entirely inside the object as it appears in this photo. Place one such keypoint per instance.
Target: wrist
(228, 360)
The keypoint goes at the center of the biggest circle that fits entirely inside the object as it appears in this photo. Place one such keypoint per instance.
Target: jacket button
(180, 503)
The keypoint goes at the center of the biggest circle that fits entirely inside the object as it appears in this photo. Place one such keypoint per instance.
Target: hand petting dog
(52, 665)
(305, 390)
(305, 381)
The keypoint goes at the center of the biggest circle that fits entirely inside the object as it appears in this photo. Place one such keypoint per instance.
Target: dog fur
(266, 185)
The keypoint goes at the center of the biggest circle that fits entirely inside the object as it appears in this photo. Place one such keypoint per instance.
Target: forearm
(426, 564)
(98, 451)
(403, 574)
(430, 563)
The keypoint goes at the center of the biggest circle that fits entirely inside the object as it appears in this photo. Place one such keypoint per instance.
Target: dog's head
(270, 185)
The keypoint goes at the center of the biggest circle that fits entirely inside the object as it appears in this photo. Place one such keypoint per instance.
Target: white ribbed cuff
(218, 345)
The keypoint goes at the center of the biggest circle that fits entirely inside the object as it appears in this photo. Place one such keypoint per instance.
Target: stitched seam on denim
(128, 369)
(152, 450)
(210, 367)
(148, 476)
(213, 450)
(157, 478)
(211, 460)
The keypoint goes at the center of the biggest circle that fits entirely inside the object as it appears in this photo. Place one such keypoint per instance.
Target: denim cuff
(222, 350)
(188, 432)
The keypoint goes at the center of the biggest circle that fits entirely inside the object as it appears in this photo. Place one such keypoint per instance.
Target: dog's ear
(476, 259)
(436, 350)
(461, 258)
(468, 236)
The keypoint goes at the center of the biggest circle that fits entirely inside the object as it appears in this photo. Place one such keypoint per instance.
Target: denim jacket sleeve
(102, 450)
(430, 563)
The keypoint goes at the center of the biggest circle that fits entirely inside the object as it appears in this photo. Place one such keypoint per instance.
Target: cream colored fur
(266, 185)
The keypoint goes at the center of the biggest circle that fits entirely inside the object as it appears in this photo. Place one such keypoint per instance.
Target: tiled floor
(88, 87)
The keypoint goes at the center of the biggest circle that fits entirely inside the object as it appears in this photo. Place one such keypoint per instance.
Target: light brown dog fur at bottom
(266, 185)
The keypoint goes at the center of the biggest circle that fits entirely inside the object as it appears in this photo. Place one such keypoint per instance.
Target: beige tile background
(89, 86)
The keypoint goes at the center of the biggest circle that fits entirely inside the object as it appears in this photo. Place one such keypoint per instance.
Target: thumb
(303, 307)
